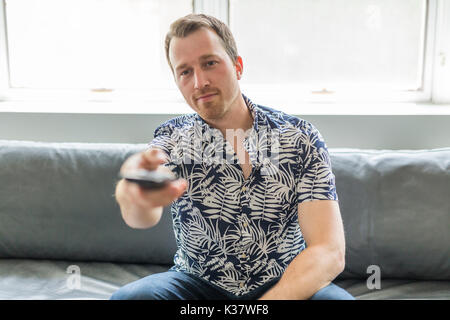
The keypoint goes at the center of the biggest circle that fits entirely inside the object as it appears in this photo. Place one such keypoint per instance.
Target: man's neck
(238, 117)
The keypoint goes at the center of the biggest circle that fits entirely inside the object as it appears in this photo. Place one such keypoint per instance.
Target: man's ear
(239, 67)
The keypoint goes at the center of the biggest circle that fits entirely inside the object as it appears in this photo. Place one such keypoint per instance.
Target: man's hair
(186, 25)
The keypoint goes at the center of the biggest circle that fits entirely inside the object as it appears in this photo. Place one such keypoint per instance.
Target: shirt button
(245, 224)
(244, 188)
(244, 256)
(241, 285)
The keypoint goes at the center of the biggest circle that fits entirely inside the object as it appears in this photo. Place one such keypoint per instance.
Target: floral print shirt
(234, 232)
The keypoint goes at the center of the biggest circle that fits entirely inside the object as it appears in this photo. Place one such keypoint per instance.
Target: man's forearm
(313, 269)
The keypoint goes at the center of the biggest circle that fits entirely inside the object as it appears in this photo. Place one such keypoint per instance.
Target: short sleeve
(316, 180)
(165, 139)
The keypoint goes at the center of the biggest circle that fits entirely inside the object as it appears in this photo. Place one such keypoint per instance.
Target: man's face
(205, 74)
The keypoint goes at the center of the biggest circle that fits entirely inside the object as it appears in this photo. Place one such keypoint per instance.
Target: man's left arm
(322, 260)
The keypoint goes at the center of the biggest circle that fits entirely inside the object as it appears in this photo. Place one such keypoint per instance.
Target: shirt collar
(258, 135)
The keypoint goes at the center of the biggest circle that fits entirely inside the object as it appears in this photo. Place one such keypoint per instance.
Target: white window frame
(441, 55)
(436, 74)
(4, 60)
(217, 8)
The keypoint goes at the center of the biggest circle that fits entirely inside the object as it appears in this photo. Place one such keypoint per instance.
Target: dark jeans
(173, 285)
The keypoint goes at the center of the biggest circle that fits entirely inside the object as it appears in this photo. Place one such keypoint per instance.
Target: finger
(177, 188)
(131, 163)
(146, 198)
(135, 194)
(166, 195)
(152, 158)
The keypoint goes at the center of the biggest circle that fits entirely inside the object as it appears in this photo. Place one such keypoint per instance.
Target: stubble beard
(212, 110)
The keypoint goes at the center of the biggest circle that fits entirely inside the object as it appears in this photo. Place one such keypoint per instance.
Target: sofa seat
(23, 279)
(49, 279)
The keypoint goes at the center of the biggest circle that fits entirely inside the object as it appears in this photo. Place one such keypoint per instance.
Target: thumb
(152, 158)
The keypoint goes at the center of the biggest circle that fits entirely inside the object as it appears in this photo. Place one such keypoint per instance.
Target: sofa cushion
(57, 202)
(396, 211)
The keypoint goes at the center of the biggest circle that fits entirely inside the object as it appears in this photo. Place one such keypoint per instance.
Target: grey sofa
(62, 235)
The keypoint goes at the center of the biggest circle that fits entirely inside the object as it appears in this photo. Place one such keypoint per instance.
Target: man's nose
(200, 80)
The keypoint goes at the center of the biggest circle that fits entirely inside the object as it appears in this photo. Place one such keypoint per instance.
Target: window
(310, 51)
(89, 43)
(327, 46)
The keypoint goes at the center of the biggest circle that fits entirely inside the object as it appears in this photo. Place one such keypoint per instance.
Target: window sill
(177, 108)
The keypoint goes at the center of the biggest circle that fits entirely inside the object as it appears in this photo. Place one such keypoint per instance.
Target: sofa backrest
(396, 211)
(57, 202)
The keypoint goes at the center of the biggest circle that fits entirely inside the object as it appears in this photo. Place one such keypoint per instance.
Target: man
(255, 209)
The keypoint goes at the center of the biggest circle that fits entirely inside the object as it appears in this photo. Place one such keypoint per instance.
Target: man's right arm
(142, 208)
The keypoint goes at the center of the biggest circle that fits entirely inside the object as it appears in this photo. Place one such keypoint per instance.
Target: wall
(358, 131)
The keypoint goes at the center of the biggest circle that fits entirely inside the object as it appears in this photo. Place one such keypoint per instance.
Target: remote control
(149, 180)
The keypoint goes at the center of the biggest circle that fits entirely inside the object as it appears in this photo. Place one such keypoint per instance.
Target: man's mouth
(206, 97)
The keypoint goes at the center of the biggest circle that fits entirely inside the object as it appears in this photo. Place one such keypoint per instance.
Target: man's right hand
(139, 205)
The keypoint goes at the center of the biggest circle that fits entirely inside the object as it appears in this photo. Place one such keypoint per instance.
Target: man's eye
(184, 73)
(211, 63)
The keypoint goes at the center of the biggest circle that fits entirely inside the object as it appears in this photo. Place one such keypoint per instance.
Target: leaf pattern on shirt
(238, 240)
